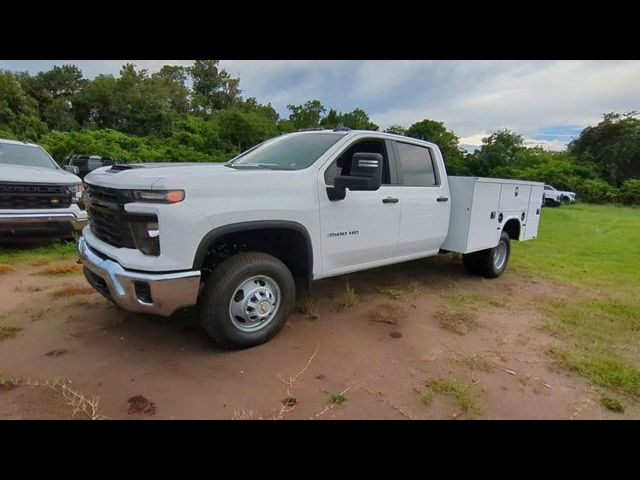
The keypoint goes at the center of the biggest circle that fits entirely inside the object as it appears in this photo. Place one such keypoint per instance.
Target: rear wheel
(247, 300)
(490, 263)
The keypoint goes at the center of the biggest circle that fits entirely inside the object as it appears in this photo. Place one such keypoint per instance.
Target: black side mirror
(366, 174)
(72, 169)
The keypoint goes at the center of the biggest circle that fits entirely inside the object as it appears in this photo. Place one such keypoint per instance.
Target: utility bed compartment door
(484, 216)
(514, 197)
(532, 220)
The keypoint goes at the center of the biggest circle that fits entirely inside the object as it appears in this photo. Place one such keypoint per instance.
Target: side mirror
(366, 174)
(72, 169)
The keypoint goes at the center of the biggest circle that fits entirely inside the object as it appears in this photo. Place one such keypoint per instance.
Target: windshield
(11, 154)
(293, 152)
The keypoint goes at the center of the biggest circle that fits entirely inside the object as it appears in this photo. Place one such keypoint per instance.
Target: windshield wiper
(262, 166)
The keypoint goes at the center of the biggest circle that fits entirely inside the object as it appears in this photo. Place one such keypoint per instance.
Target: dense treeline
(197, 113)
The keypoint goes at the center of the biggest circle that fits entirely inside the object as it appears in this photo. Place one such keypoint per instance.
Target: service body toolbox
(482, 207)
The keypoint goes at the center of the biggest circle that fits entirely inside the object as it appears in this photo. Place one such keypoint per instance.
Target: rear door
(532, 219)
(424, 198)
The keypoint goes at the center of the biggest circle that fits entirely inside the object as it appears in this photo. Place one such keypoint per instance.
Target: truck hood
(24, 174)
(160, 176)
(146, 175)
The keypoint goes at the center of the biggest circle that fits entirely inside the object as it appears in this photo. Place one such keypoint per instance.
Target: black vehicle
(86, 163)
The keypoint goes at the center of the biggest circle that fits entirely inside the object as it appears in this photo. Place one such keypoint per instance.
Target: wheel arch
(513, 228)
(258, 226)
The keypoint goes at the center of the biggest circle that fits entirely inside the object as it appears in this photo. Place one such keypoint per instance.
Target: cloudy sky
(548, 102)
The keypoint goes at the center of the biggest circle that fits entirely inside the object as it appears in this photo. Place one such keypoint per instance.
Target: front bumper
(157, 293)
(54, 220)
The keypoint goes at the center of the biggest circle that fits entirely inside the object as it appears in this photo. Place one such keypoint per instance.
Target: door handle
(443, 199)
(390, 200)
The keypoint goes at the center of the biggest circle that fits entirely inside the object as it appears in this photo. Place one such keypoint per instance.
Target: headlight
(146, 234)
(158, 196)
(76, 192)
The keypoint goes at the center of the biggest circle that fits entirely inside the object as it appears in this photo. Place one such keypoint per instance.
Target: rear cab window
(417, 165)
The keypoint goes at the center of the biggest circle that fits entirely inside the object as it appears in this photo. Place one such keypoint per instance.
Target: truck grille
(108, 219)
(15, 196)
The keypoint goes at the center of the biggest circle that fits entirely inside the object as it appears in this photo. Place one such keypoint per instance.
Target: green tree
(358, 119)
(133, 103)
(267, 111)
(54, 91)
(397, 129)
(213, 88)
(173, 78)
(242, 130)
(448, 142)
(307, 115)
(613, 146)
(18, 110)
(500, 149)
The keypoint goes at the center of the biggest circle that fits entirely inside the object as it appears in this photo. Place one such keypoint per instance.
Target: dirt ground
(68, 353)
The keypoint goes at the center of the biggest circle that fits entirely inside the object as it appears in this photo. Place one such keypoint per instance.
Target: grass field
(43, 253)
(595, 248)
(595, 245)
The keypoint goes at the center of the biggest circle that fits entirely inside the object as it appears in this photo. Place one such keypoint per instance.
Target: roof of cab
(353, 133)
(16, 142)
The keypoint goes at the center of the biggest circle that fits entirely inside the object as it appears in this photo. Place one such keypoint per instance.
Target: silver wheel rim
(254, 303)
(500, 255)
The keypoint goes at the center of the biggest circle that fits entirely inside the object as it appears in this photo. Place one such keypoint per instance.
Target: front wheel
(246, 300)
(490, 263)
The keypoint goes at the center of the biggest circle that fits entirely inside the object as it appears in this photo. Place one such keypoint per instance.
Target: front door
(360, 230)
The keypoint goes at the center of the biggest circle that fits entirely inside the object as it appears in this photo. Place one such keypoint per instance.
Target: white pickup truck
(554, 198)
(37, 197)
(240, 239)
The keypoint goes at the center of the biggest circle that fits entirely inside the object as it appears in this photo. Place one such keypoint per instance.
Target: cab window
(342, 164)
(417, 165)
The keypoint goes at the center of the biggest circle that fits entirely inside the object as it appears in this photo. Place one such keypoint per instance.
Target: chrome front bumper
(43, 219)
(154, 293)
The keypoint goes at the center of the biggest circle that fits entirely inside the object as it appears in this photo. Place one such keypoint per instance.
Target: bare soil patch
(369, 353)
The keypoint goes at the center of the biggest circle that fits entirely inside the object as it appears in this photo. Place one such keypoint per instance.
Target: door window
(417, 166)
(342, 164)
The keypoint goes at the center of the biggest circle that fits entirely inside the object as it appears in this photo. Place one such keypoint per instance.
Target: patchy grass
(410, 290)
(605, 370)
(39, 314)
(337, 399)
(612, 404)
(594, 245)
(598, 336)
(62, 269)
(350, 296)
(43, 254)
(8, 332)
(476, 363)
(460, 322)
(458, 312)
(474, 300)
(308, 307)
(593, 324)
(71, 290)
(385, 313)
(4, 268)
(461, 391)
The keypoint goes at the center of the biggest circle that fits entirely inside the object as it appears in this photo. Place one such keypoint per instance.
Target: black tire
(483, 263)
(217, 294)
(470, 262)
